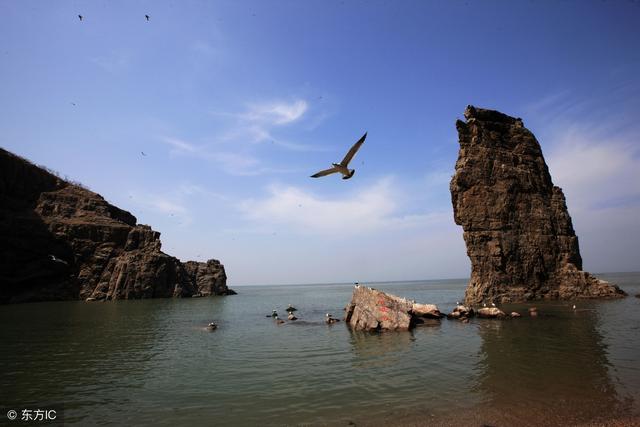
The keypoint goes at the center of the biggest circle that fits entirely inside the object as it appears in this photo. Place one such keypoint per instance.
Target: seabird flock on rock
(342, 167)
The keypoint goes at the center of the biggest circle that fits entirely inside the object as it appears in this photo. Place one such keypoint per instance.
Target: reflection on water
(554, 366)
(379, 349)
(152, 363)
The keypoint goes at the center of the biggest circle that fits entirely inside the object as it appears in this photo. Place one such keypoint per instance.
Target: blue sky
(236, 103)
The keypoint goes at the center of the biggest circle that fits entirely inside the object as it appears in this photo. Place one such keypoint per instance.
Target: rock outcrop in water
(61, 241)
(517, 229)
(373, 310)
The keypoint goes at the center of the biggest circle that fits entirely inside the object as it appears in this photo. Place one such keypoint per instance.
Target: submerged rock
(59, 240)
(373, 310)
(517, 229)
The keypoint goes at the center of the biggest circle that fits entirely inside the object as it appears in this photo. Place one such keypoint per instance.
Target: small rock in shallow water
(515, 314)
(491, 313)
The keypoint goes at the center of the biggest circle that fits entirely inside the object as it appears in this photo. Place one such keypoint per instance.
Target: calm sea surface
(152, 362)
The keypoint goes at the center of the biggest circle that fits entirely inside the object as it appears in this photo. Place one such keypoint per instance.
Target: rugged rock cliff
(60, 241)
(517, 229)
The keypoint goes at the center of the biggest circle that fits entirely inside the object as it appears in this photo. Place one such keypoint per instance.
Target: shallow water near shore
(152, 362)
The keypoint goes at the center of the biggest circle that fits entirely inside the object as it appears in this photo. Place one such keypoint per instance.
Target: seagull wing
(324, 172)
(352, 152)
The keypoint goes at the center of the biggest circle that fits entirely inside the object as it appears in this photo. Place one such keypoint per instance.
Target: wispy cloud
(373, 209)
(239, 163)
(180, 146)
(261, 123)
(276, 113)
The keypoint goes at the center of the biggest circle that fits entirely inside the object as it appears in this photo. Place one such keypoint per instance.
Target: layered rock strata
(517, 229)
(61, 241)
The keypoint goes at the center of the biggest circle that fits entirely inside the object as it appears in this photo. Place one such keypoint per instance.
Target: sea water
(153, 362)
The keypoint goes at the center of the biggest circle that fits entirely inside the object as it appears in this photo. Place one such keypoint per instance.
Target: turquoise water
(152, 362)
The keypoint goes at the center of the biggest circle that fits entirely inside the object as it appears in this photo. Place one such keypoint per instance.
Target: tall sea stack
(517, 229)
(60, 241)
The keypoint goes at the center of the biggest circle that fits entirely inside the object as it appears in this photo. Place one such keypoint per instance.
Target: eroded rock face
(61, 241)
(374, 310)
(517, 229)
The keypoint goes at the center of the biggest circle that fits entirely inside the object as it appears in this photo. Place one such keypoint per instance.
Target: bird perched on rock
(212, 326)
(342, 167)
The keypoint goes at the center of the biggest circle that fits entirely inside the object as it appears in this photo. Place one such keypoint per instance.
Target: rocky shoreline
(61, 241)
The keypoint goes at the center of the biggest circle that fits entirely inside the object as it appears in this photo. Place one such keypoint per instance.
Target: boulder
(517, 228)
(426, 310)
(461, 311)
(491, 313)
(374, 310)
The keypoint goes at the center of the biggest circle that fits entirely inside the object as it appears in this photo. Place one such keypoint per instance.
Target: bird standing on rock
(342, 167)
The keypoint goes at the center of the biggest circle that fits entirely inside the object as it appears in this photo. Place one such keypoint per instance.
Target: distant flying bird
(142, 152)
(80, 17)
(342, 167)
(146, 16)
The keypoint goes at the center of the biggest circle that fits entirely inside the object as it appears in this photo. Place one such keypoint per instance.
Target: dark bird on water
(342, 167)
(147, 17)
(80, 17)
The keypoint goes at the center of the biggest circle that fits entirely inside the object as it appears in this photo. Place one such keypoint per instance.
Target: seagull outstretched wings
(343, 166)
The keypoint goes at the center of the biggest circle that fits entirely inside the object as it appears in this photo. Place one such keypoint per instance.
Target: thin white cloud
(276, 113)
(369, 210)
(180, 146)
(260, 123)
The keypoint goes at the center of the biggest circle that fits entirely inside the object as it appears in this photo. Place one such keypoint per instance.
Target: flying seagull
(146, 16)
(342, 167)
(80, 17)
